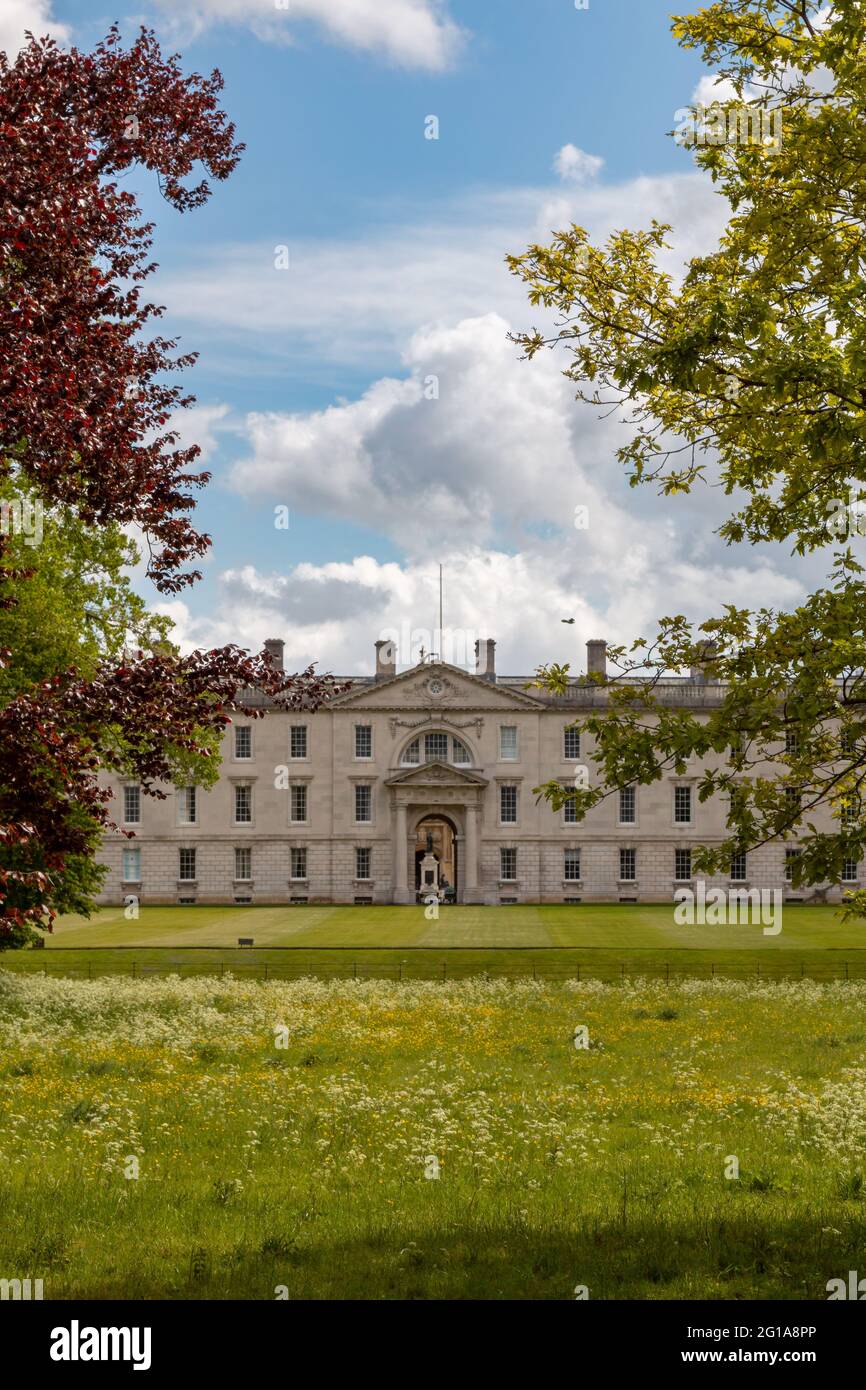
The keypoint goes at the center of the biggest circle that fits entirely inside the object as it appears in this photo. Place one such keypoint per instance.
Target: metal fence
(341, 966)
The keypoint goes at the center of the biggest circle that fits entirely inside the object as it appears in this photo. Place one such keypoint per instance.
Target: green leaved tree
(750, 370)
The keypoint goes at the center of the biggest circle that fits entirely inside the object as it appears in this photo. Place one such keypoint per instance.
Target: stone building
(418, 780)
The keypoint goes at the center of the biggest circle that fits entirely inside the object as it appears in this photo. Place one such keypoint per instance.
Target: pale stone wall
(398, 709)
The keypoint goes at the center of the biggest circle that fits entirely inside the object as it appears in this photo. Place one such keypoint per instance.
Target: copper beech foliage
(85, 401)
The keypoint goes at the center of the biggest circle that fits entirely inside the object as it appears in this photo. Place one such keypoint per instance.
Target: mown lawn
(199, 1138)
(602, 942)
(611, 926)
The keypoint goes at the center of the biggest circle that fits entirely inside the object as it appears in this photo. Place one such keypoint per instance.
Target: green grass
(282, 1132)
(613, 927)
(604, 942)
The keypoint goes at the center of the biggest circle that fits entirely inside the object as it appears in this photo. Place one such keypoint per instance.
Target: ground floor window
(508, 864)
(682, 864)
(132, 866)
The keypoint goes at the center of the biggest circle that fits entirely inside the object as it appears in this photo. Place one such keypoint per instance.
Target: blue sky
(313, 382)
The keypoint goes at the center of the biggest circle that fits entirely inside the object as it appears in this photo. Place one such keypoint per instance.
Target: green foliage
(750, 370)
(76, 605)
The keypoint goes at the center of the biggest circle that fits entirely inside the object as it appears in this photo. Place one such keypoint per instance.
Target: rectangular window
(791, 857)
(298, 859)
(739, 872)
(627, 806)
(186, 869)
(363, 857)
(132, 866)
(459, 751)
(792, 742)
(508, 805)
(298, 801)
(132, 805)
(436, 748)
(683, 805)
(571, 743)
(243, 863)
(186, 800)
(793, 801)
(847, 741)
(243, 741)
(363, 740)
(569, 813)
(243, 805)
(298, 741)
(508, 864)
(628, 865)
(572, 865)
(850, 810)
(363, 804)
(508, 743)
(850, 872)
(682, 865)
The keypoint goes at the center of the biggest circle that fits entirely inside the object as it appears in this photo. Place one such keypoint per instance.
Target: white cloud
(410, 33)
(576, 166)
(485, 478)
(201, 425)
(471, 440)
(333, 613)
(483, 472)
(712, 88)
(359, 300)
(17, 16)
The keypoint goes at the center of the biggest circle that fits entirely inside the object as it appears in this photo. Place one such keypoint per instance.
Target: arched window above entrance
(436, 746)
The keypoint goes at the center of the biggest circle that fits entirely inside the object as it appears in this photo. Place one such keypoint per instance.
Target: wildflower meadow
(205, 1139)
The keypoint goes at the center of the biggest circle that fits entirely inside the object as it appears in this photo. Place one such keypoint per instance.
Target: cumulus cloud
(711, 88)
(575, 166)
(471, 440)
(499, 475)
(334, 612)
(410, 33)
(17, 16)
(457, 451)
(201, 425)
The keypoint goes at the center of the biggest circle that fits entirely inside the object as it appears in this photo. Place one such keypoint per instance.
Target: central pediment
(436, 775)
(436, 685)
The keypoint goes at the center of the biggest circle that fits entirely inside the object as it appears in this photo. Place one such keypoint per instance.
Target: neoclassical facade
(418, 781)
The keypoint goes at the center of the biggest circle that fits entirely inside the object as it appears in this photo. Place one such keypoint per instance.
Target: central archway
(438, 835)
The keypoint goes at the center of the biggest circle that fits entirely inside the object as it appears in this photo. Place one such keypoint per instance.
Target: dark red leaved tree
(85, 400)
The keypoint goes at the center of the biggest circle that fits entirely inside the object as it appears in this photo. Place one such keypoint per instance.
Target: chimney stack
(485, 658)
(699, 669)
(596, 657)
(275, 646)
(386, 659)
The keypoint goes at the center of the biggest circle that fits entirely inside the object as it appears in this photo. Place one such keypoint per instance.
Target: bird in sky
(566, 620)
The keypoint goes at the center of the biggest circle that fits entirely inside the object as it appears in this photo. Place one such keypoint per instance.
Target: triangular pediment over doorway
(436, 775)
(436, 685)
